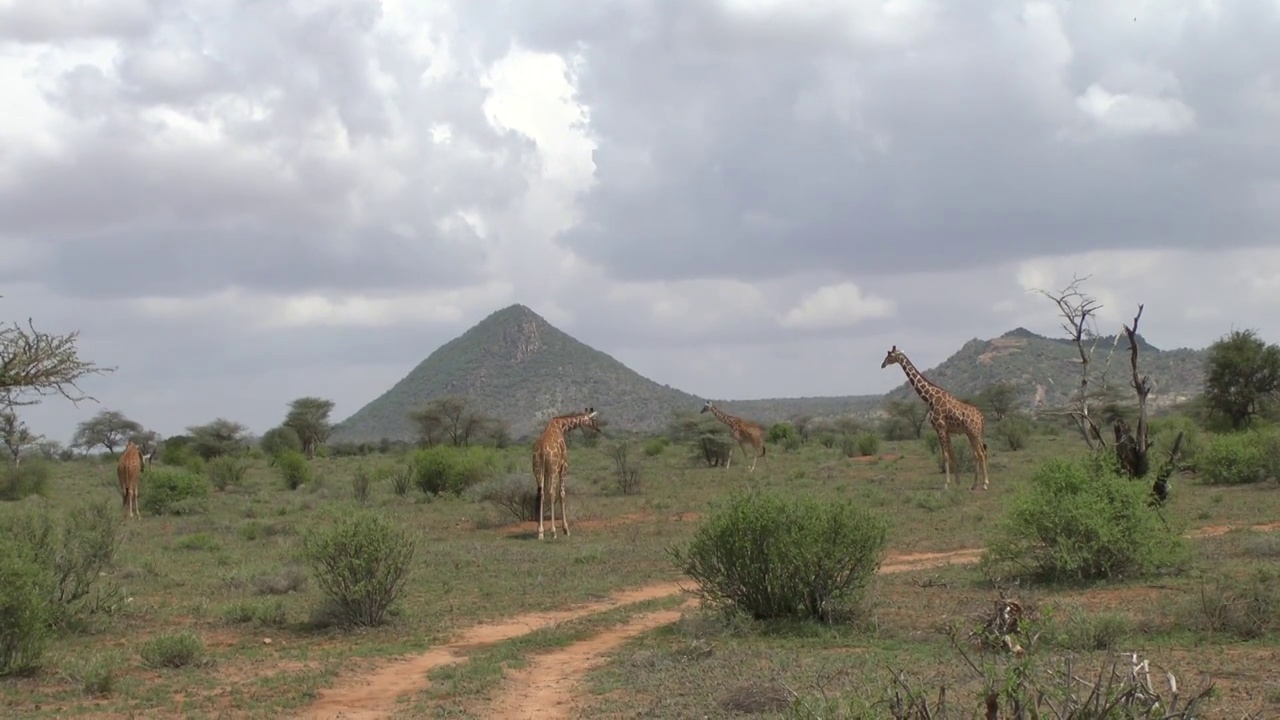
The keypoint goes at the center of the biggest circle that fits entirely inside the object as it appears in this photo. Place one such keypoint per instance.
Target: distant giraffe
(744, 433)
(948, 415)
(551, 463)
(128, 469)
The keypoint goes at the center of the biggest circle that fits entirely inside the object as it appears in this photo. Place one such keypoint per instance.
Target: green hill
(516, 366)
(1046, 371)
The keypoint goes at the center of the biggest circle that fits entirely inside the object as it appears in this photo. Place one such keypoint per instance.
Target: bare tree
(16, 435)
(35, 364)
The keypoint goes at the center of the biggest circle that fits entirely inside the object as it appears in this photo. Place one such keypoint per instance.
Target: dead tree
(34, 363)
(1132, 446)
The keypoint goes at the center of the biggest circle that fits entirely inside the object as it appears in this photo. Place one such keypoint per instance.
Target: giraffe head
(705, 408)
(894, 356)
(587, 419)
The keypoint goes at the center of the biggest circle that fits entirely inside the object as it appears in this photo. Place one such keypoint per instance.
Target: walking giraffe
(744, 432)
(128, 469)
(551, 462)
(949, 416)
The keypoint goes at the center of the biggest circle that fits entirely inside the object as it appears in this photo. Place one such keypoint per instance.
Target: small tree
(109, 428)
(309, 418)
(450, 420)
(36, 364)
(912, 412)
(278, 440)
(1241, 375)
(998, 399)
(16, 435)
(220, 437)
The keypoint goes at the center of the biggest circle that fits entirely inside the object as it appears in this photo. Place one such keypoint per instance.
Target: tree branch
(41, 364)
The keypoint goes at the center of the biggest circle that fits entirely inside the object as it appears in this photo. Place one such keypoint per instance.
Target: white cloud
(836, 307)
(1127, 113)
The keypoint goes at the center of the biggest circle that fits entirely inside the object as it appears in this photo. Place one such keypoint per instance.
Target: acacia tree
(35, 364)
(912, 412)
(109, 428)
(1241, 375)
(999, 399)
(309, 418)
(220, 437)
(1132, 446)
(16, 435)
(451, 420)
(148, 442)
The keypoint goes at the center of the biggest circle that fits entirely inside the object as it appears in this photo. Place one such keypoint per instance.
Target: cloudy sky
(238, 203)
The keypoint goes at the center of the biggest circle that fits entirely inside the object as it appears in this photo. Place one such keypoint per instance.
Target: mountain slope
(1046, 371)
(516, 366)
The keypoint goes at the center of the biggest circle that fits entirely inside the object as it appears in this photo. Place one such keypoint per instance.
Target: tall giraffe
(128, 468)
(551, 462)
(948, 415)
(744, 433)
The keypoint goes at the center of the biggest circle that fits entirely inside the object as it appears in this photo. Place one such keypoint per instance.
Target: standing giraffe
(948, 415)
(744, 432)
(128, 468)
(551, 462)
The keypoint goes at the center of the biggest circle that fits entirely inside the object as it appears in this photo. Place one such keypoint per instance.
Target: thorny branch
(41, 364)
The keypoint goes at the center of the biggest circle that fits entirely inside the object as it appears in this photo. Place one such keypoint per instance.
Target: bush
(1014, 430)
(627, 473)
(867, 444)
(24, 610)
(225, 471)
(1234, 459)
(514, 495)
(360, 562)
(401, 478)
(173, 650)
(961, 450)
(779, 432)
(74, 553)
(653, 447)
(361, 480)
(1162, 432)
(19, 481)
(439, 470)
(896, 428)
(170, 491)
(293, 468)
(1081, 520)
(771, 555)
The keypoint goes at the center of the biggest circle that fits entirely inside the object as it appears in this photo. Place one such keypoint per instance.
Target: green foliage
(73, 551)
(173, 650)
(781, 432)
(655, 446)
(1242, 374)
(998, 400)
(961, 451)
(24, 610)
(896, 428)
(360, 562)
(279, 440)
(220, 437)
(109, 429)
(1014, 431)
(19, 481)
(867, 444)
(1164, 430)
(172, 491)
(361, 481)
(1233, 459)
(226, 471)
(1081, 520)
(309, 419)
(772, 555)
(910, 411)
(439, 470)
(293, 469)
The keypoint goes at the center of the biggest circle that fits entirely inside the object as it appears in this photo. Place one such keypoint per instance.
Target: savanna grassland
(219, 613)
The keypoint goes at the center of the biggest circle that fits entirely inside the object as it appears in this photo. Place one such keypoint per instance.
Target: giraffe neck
(925, 389)
(566, 424)
(724, 417)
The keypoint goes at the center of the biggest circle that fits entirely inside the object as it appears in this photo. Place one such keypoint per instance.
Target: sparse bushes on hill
(361, 563)
(19, 481)
(172, 491)
(443, 469)
(1234, 459)
(1081, 520)
(771, 555)
(293, 468)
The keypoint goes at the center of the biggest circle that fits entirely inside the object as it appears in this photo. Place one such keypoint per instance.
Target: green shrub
(791, 444)
(360, 562)
(19, 481)
(170, 491)
(1014, 431)
(779, 432)
(773, 555)
(961, 451)
(1232, 459)
(24, 610)
(361, 480)
(439, 470)
(513, 495)
(401, 477)
(896, 428)
(653, 447)
(867, 444)
(1081, 520)
(1164, 430)
(293, 468)
(173, 650)
(226, 471)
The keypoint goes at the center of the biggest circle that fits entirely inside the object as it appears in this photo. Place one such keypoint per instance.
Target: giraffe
(128, 468)
(551, 462)
(948, 415)
(744, 432)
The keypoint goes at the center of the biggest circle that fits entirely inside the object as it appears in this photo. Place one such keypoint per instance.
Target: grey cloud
(703, 121)
(52, 20)
(285, 214)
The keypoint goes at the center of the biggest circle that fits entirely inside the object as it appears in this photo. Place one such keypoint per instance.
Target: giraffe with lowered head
(551, 462)
(744, 433)
(948, 415)
(128, 469)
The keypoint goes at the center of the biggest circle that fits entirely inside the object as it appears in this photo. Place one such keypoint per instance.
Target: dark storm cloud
(321, 172)
(740, 148)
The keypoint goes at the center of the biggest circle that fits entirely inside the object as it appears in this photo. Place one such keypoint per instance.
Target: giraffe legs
(948, 457)
(564, 510)
(542, 498)
(980, 460)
